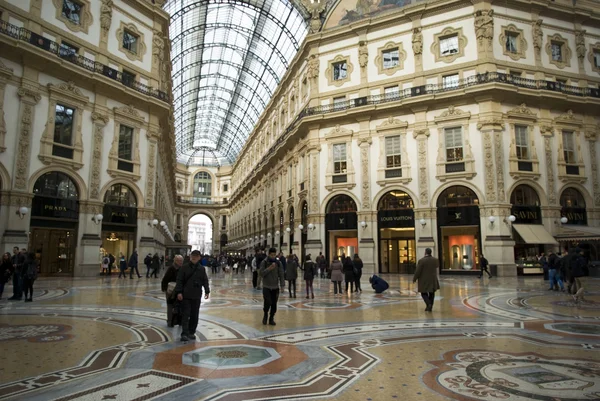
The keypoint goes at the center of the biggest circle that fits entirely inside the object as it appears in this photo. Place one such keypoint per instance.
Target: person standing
(30, 273)
(5, 271)
(336, 275)
(483, 262)
(272, 274)
(111, 263)
(155, 265)
(133, 264)
(291, 275)
(348, 273)
(579, 271)
(310, 271)
(191, 278)
(322, 265)
(260, 256)
(554, 273)
(148, 263)
(358, 266)
(122, 265)
(427, 275)
(105, 264)
(18, 261)
(171, 277)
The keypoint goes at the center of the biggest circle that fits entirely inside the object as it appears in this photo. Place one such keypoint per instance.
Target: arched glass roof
(228, 57)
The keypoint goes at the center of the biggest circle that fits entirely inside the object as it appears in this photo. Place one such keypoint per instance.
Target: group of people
(22, 267)
(566, 272)
(153, 264)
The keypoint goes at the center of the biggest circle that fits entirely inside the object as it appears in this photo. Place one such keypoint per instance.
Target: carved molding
(329, 71)
(423, 175)
(312, 67)
(488, 161)
(550, 180)
(499, 150)
(484, 29)
(566, 52)
(401, 58)
(452, 114)
(450, 58)
(417, 42)
(29, 99)
(364, 167)
(140, 52)
(5, 74)
(391, 124)
(85, 19)
(522, 111)
(106, 15)
(593, 55)
(521, 43)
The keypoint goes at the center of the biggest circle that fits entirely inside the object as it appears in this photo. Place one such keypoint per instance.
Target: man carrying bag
(191, 278)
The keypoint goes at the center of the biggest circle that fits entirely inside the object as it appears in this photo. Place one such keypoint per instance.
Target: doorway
(55, 249)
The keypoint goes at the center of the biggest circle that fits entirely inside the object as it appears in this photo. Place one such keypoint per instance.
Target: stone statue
(417, 41)
(484, 25)
(312, 70)
(106, 14)
(580, 44)
(158, 45)
(315, 8)
(538, 35)
(363, 54)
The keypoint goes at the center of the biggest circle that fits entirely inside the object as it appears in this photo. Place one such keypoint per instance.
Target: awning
(534, 234)
(578, 233)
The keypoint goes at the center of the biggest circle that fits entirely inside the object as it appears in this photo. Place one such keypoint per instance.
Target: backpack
(105, 261)
(580, 268)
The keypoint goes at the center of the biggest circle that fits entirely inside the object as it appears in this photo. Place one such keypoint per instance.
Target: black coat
(5, 270)
(358, 265)
(348, 270)
(190, 281)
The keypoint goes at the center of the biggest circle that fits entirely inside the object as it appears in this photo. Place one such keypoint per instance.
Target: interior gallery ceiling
(228, 58)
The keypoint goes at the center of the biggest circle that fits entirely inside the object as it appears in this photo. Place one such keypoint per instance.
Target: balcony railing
(50, 46)
(200, 201)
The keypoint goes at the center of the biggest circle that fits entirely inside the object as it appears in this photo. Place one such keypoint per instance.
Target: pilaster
(29, 99)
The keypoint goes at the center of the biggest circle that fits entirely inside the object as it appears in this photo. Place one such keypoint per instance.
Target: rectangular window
(569, 147)
(339, 158)
(125, 142)
(597, 58)
(450, 81)
(72, 11)
(225, 187)
(63, 125)
(449, 45)
(338, 102)
(391, 91)
(392, 152)
(522, 142)
(511, 42)
(556, 51)
(340, 71)
(67, 51)
(130, 41)
(128, 78)
(391, 58)
(454, 145)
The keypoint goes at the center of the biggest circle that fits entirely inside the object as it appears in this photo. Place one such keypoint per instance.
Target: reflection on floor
(107, 339)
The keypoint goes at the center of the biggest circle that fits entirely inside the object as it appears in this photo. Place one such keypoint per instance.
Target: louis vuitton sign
(458, 216)
(341, 221)
(396, 218)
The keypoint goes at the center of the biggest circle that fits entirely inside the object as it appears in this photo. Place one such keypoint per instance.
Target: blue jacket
(378, 284)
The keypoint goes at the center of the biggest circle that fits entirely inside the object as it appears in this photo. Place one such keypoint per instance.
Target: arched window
(457, 196)
(56, 185)
(524, 195)
(223, 240)
(202, 185)
(341, 204)
(572, 198)
(395, 200)
(120, 195)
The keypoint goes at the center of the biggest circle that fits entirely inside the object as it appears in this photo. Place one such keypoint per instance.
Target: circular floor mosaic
(35, 332)
(230, 357)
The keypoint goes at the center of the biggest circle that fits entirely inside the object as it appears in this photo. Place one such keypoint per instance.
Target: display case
(529, 267)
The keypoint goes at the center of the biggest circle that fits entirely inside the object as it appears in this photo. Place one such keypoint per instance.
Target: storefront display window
(396, 222)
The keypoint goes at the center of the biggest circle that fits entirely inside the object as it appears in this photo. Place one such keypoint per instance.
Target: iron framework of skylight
(228, 58)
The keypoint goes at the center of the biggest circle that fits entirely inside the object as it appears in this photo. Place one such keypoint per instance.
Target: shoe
(491, 276)
(139, 276)
(192, 336)
(131, 278)
(14, 299)
(265, 319)
(272, 322)
(428, 308)
(313, 296)
(307, 297)
(185, 338)
(479, 277)
(550, 289)
(29, 300)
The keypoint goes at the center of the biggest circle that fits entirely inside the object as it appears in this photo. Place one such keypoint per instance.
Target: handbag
(170, 289)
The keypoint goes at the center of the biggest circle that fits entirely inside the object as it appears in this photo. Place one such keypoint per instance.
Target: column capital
(421, 133)
(28, 95)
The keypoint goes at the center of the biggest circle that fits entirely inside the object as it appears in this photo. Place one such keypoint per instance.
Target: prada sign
(341, 221)
(458, 216)
(576, 215)
(396, 218)
(527, 214)
(119, 215)
(55, 208)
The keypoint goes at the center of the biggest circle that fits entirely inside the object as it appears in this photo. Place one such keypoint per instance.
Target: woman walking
(310, 271)
(155, 265)
(122, 265)
(291, 274)
(5, 271)
(358, 266)
(349, 273)
(337, 276)
(30, 274)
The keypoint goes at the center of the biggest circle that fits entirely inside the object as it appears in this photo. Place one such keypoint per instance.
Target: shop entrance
(396, 222)
(54, 221)
(119, 226)
(341, 223)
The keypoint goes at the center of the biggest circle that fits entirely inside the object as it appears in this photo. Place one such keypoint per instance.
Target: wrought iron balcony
(50, 46)
(201, 201)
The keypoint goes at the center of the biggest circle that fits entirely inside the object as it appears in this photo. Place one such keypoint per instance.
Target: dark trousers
(131, 268)
(28, 287)
(17, 285)
(428, 297)
(351, 282)
(357, 281)
(309, 286)
(147, 270)
(292, 284)
(485, 269)
(1, 287)
(254, 278)
(270, 297)
(336, 285)
(154, 273)
(213, 269)
(189, 316)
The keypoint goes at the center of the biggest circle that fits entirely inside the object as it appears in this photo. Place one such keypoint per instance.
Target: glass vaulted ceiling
(228, 57)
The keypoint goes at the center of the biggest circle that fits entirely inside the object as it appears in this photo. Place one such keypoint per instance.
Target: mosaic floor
(107, 339)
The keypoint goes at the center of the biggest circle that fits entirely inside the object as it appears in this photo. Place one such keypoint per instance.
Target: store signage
(342, 221)
(575, 215)
(458, 216)
(396, 218)
(55, 208)
(527, 214)
(120, 215)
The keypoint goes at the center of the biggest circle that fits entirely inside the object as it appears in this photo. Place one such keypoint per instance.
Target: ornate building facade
(85, 106)
(470, 128)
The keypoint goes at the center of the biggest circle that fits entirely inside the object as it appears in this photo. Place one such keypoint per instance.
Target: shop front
(341, 226)
(119, 226)
(575, 232)
(459, 230)
(54, 222)
(396, 223)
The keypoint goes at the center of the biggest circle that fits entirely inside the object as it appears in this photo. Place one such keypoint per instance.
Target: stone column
(146, 234)
(425, 234)
(88, 250)
(314, 242)
(591, 134)
(366, 243)
(5, 74)
(548, 133)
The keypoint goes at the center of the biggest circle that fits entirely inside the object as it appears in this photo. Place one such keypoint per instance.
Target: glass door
(55, 249)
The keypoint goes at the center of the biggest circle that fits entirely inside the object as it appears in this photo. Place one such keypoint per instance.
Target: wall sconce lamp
(423, 223)
(269, 235)
(277, 233)
(492, 220)
(563, 220)
(162, 223)
(256, 238)
(510, 219)
(97, 218)
(311, 226)
(287, 230)
(22, 211)
(153, 223)
(262, 236)
(363, 224)
(301, 227)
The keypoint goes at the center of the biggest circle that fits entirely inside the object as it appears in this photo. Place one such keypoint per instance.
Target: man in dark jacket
(133, 264)
(378, 284)
(191, 278)
(171, 277)
(483, 263)
(427, 274)
(148, 262)
(273, 277)
(18, 262)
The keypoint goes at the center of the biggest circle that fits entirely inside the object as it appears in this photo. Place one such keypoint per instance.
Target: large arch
(392, 188)
(534, 185)
(589, 199)
(213, 224)
(329, 197)
(133, 186)
(4, 178)
(458, 183)
(77, 180)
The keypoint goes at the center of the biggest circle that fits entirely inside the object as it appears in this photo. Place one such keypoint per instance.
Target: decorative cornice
(491, 123)
(452, 114)
(100, 118)
(391, 124)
